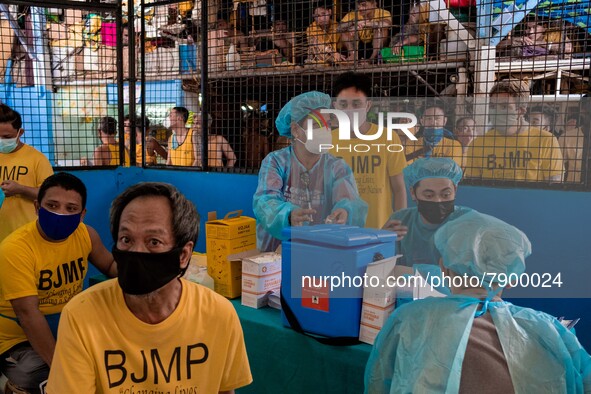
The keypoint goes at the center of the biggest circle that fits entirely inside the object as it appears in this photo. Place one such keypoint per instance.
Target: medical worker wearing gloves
(302, 184)
(472, 341)
(433, 184)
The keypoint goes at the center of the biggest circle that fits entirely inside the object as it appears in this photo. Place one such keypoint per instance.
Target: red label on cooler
(315, 298)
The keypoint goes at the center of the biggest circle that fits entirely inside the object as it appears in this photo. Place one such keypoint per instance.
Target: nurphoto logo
(403, 121)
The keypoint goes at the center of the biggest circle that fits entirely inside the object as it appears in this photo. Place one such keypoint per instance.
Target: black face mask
(142, 273)
(435, 212)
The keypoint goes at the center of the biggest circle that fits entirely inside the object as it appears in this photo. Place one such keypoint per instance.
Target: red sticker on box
(315, 298)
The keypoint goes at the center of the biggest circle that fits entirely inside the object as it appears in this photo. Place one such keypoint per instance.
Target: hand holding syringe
(305, 179)
(301, 216)
(338, 216)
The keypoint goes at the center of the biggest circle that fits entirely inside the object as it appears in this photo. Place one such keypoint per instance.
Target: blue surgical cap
(477, 244)
(432, 167)
(298, 108)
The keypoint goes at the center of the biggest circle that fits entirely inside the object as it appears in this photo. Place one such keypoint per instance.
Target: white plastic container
(452, 48)
(232, 59)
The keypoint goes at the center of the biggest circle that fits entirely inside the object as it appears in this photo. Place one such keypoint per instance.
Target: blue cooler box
(329, 250)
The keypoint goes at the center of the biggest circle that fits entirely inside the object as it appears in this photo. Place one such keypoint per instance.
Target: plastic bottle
(233, 59)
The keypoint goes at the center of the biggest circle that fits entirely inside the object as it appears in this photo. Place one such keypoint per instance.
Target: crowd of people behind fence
(510, 140)
(371, 32)
(105, 331)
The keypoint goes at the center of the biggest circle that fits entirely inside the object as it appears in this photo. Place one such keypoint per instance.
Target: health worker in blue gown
(433, 184)
(303, 184)
(472, 341)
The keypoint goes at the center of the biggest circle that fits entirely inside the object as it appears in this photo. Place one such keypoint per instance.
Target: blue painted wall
(208, 191)
(156, 92)
(35, 106)
(555, 221)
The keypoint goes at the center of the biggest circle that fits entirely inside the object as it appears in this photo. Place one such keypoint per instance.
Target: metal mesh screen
(85, 75)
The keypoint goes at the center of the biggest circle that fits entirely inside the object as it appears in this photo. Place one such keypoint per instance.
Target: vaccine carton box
(431, 283)
(379, 296)
(261, 274)
(224, 237)
(322, 278)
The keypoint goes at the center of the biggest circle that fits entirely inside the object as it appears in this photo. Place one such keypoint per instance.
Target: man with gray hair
(150, 330)
(513, 150)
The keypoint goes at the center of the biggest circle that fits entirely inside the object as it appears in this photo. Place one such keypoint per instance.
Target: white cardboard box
(423, 289)
(261, 274)
(379, 301)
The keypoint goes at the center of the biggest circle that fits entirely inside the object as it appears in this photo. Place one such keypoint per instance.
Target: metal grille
(74, 68)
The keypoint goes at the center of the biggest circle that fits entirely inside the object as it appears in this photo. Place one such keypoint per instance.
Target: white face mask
(503, 119)
(166, 122)
(8, 145)
(318, 143)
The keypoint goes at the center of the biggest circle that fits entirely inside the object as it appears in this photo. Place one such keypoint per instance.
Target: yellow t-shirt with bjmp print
(533, 155)
(104, 348)
(373, 163)
(28, 167)
(33, 266)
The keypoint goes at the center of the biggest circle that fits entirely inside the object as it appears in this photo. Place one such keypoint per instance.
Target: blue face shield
(56, 226)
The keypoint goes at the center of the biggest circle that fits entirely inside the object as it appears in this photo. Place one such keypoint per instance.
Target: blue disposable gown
(421, 348)
(281, 189)
(417, 246)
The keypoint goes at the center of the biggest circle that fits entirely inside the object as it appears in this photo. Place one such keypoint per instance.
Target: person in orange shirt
(323, 39)
(465, 133)
(153, 148)
(514, 150)
(42, 266)
(107, 154)
(106, 333)
(572, 141)
(433, 139)
(365, 29)
(22, 170)
(185, 144)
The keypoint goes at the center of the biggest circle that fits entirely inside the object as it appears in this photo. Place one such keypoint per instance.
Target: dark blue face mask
(56, 226)
(433, 136)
